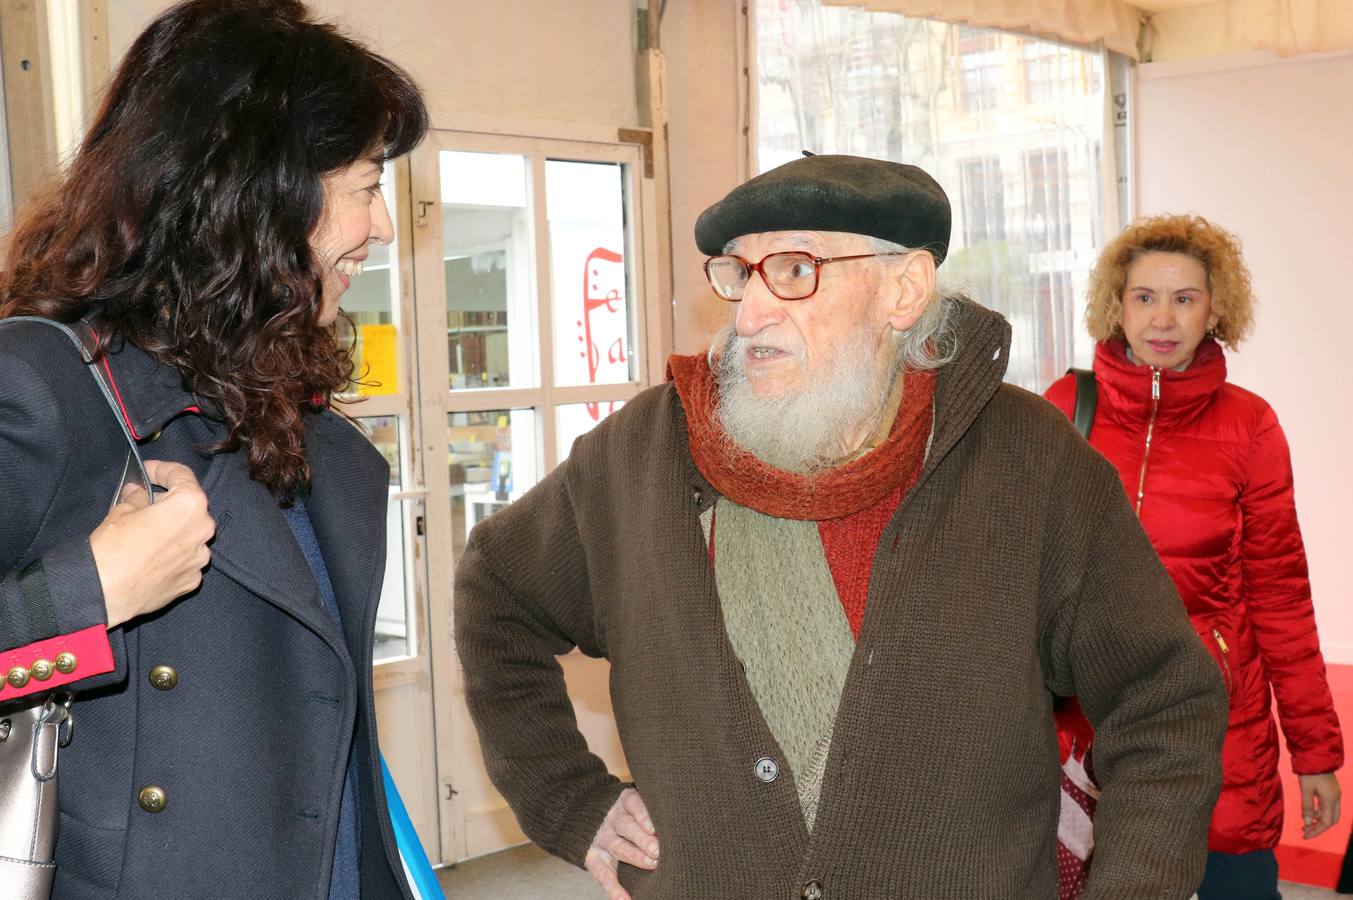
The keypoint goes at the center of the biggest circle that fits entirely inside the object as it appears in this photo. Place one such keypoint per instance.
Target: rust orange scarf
(836, 493)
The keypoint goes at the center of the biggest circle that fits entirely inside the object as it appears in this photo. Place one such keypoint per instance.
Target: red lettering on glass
(603, 321)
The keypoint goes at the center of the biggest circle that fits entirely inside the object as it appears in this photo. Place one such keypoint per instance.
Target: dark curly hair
(184, 220)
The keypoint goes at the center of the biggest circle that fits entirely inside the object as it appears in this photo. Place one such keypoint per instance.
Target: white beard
(802, 432)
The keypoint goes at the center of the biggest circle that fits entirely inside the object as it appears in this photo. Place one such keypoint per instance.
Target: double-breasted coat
(258, 695)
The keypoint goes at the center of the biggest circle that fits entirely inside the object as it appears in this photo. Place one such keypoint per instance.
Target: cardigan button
(152, 798)
(766, 769)
(164, 678)
(812, 891)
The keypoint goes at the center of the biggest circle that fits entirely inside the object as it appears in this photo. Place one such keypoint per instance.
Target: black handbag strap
(134, 470)
(1087, 397)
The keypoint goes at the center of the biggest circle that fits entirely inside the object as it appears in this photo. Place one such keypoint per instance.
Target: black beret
(874, 197)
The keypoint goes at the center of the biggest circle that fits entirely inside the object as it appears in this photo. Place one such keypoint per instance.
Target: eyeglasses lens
(791, 276)
(728, 276)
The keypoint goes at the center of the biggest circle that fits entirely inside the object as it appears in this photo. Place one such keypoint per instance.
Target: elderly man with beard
(840, 572)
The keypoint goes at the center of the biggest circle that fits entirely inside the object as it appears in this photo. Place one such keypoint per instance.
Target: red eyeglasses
(791, 275)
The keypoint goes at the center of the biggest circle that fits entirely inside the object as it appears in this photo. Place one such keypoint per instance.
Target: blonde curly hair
(1217, 249)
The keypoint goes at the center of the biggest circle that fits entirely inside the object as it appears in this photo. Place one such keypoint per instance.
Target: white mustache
(737, 347)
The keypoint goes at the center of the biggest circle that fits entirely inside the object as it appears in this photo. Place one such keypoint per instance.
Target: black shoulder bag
(1087, 397)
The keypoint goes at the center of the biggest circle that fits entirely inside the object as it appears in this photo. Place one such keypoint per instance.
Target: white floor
(522, 873)
(526, 873)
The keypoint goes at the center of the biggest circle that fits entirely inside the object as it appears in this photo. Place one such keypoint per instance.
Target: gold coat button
(42, 669)
(164, 678)
(152, 798)
(18, 676)
(65, 662)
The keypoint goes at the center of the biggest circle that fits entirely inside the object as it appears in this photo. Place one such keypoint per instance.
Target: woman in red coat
(1206, 466)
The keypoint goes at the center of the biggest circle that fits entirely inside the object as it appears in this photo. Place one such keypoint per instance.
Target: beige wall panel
(563, 60)
(1220, 27)
(27, 99)
(700, 39)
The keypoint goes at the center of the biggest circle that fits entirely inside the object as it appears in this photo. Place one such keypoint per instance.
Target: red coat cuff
(47, 665)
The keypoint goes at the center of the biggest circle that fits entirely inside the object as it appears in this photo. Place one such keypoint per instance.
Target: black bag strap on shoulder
(133, 470)
(1087, 397)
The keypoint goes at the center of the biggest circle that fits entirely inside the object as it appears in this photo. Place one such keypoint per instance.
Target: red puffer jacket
(1206, 465)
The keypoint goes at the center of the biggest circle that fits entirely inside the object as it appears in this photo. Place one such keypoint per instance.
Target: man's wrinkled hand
(626, 835)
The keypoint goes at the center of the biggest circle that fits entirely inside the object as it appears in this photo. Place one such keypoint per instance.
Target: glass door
(382, 317)
(529, 268)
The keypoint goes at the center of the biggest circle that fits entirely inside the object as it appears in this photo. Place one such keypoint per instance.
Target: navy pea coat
(250, 746)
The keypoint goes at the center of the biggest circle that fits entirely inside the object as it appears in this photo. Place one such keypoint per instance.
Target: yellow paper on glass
(379, 365)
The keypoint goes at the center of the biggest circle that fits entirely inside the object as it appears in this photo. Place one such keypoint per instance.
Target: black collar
(149, 393)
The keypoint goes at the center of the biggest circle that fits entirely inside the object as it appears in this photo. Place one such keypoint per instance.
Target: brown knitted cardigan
(1013, 571)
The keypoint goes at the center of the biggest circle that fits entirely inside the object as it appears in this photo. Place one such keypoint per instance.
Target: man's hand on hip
(626, 835)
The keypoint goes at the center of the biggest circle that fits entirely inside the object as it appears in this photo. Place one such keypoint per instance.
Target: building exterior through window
(1010, 125)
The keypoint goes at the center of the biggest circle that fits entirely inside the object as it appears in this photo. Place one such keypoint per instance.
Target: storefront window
(494, 458)
(490, 280)
(589, 274)
(576, 419)
(371, 303)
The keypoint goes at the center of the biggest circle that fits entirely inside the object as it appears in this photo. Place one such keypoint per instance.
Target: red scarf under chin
(838, 492)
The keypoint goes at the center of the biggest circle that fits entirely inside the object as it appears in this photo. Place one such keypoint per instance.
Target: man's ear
(914, 277)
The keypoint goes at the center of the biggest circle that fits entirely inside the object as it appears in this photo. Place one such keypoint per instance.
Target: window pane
(983, 192)
(371, 302)
(383, 432)
(487, 261)
(394, 637)
(1047, 199)
(589, 275)
(576, 419)
(1009, 125)
(494, 457)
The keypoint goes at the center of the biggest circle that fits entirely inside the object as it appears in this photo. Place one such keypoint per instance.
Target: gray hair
(931, 342)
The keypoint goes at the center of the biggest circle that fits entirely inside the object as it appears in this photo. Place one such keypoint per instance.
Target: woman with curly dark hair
(201, 240)
(1206, 466)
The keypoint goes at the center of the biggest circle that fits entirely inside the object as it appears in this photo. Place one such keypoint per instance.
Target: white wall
(1262, 147)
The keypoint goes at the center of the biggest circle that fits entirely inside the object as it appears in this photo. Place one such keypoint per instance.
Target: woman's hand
(626, 835)
(150, 554)
(1319, 803)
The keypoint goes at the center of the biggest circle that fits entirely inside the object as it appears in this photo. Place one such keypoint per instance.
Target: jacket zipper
(1150, 430)
(1225, 662)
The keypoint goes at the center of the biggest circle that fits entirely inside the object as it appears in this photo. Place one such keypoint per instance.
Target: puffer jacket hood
(1207, 467)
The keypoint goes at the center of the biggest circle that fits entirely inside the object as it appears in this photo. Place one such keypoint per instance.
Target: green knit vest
(787, 627)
